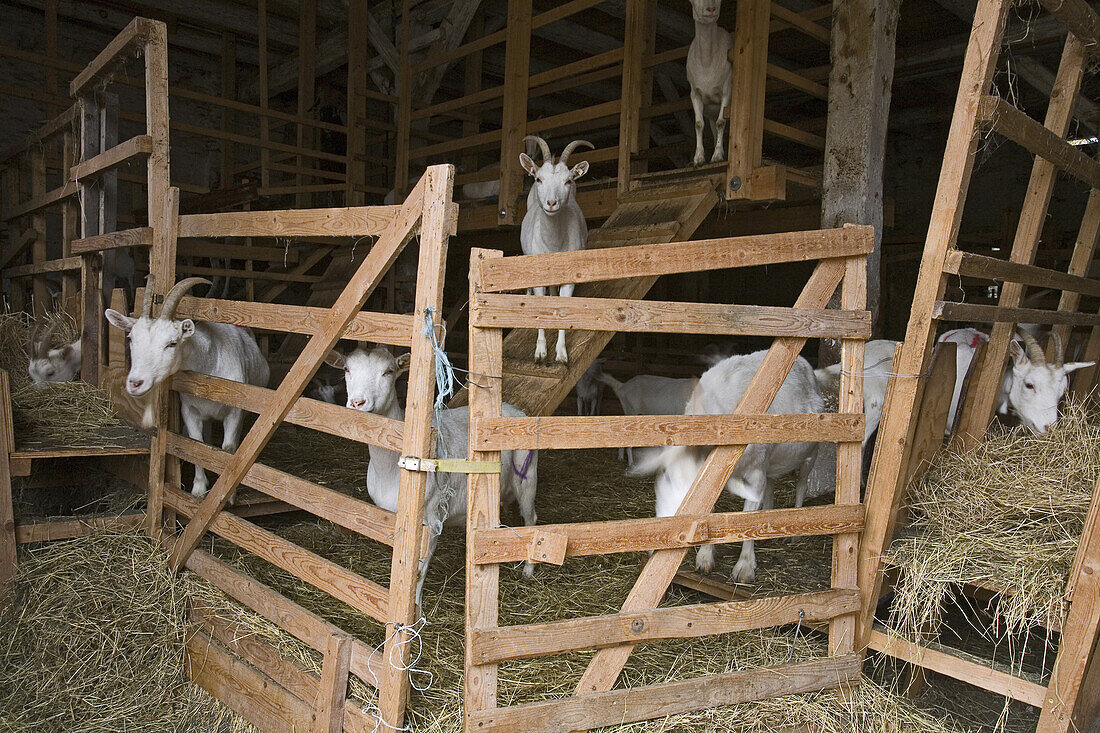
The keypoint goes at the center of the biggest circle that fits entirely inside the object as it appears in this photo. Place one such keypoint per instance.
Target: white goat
(877, 359)
(646, 394)
(491, 189)
(589, 390)
(371, 378)
(163, 346)
(1031, 388)
(718, 392)
(554, 221)
(709, 75)
(324, 391)
(51, 365)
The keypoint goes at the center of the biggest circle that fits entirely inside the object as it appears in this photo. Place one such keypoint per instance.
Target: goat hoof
(704, 560)
(540, 353)
(529, 570)
(198, 492)
(698, 159)
(743, 573)
(718, 156)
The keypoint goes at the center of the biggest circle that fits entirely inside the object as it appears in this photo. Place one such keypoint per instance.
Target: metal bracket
(447, 465)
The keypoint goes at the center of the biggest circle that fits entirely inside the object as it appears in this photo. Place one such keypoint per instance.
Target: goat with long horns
(165, 345)
(554, 221)
(51, 365)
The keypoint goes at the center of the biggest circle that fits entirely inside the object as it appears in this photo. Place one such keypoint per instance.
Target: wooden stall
(978, 113)
(841, 257)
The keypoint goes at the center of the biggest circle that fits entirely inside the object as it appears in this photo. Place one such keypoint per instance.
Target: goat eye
(347, 371)
(538, 180)
(1029, 385)
(387, 373)
(172, 344)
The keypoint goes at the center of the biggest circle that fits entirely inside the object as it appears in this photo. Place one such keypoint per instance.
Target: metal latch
(448, 465)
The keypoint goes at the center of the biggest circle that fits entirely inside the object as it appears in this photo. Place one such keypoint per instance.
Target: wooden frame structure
(842, 254)
(496, 118)
(1063, 701)
(243, 685)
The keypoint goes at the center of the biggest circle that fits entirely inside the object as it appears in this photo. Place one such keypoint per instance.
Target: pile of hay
(1008, 514)
(59, 413)
(92, 639)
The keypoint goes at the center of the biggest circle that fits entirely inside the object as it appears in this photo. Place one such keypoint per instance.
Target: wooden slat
(295, 620)
(381, 328)
(362, 427)
(359, 221)
(798, 81)
(139, 237)
(223, 250)
(667, 533)
(651, 260)
(69, 188)
(340, 509)
(991, 268)
(120, 154)
(9, 554)
(794, 134)
(65, 264)
(1078, 18)
(584, 712)
(333, 689)
(270, 275)
(800, 22)
(340, 583)
(609, 431)
(680, 622)
(494, 310)
(949, 311)
(1026, 132)
(241, 688)
(50, 531)
(951, 662)
(114, 53)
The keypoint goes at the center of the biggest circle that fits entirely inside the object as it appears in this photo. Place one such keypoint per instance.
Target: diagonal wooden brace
(657, 575)
(351, 300)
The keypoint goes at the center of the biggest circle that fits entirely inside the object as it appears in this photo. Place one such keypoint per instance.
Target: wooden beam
(950, 311)
(992, 268)
(359, 221)
(120, 154)
(139, 237)
(517, 69)
(66, 264)
(136, 34)
(1078, 18)
(332, 692)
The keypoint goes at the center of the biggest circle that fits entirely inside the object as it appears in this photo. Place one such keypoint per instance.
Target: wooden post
(108, 219)
(40, 293)
(1083, 250)
(985, 385)
(356, 167)
(70, 226)
(471, 83)
(333, 689)
(51, 53)
(90, 269)
(635, 43)
(229, 92)
(8, 546)
(265, 121)
(517, 64)
(483, 505)
(887, 480)
(419, 441)
(862, 53)
(404, 109)
(750, 62)
(307, 77)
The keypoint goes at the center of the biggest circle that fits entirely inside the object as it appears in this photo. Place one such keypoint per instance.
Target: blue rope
(444, 372)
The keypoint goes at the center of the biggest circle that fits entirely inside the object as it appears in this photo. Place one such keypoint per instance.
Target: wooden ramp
(649, 215)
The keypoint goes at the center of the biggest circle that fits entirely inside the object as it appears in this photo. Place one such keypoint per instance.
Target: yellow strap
(448, 465)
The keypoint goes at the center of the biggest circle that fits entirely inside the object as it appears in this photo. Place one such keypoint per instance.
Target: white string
(413, 634)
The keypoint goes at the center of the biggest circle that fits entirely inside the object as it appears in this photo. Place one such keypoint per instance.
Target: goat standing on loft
(163, 346)
(371, 378)
(554, 221)
(51, 365)
(718, 392)
(710, 76)
(1031, 389)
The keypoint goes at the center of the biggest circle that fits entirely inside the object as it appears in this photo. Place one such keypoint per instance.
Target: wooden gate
(842, 254)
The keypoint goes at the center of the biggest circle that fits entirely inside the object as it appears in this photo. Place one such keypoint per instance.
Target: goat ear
(403, 362)
(1019, 356)
(579, 169)
(336, 360)
(67, 351)
(187, 328)
(118, 320)
(1075, 365)
(527, 163)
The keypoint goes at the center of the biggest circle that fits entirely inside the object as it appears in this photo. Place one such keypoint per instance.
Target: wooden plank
(267, 275)
(667, 533)
(358, 221)
(332, 692)
(63, 530)
(65, 264)
(138, 237)
(362, 427)
(1026, 132)
(1080, 262)
(482, 504)
(361, 594)
(954, 664)
(794, 134)
(493, 645)
(1078, 18)
(135, 34)
(746, 133)
(517, 68)
(798, 81)
(250, 252)
(295, 620)
(633, 77)
(8, 549)
(64, 191)
(651, 260)
(658, 572)
(609, 431)
(974, 265)
(950, 311)
(493, 310)
(307, 79)
(108, 160)
(340, 509)
(597, 710)
(800, 22)
(381, 328)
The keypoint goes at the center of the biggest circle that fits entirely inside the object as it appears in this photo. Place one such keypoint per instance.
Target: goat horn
(1034, 350)
(34, 346)
(546, 154)
(1059, 350)
(147, 301)
(175, 295)
(571, 147)
(43, 345)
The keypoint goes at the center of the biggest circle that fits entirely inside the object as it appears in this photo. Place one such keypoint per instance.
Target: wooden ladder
(650, 215)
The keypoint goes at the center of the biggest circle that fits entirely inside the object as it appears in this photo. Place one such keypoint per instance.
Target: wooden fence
(428, 214)
(842, 254)
(978, 112)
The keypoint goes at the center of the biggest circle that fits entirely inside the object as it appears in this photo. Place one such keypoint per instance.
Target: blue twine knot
(444, 372)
